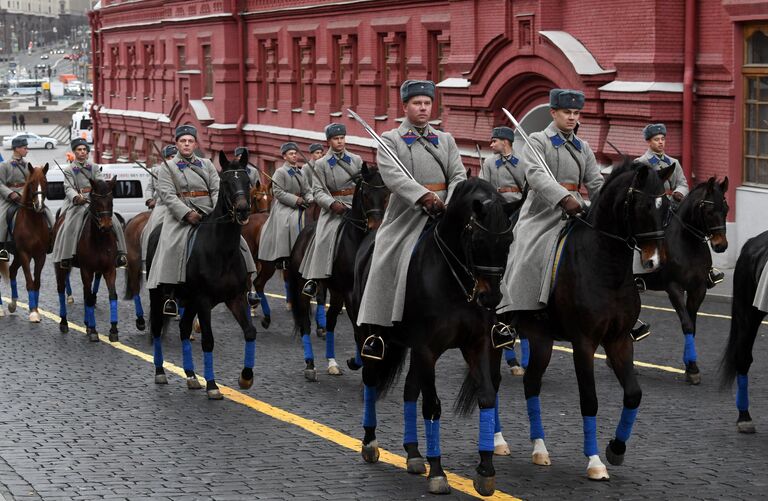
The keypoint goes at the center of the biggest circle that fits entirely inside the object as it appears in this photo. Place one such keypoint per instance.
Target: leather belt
(669, 193)
(193, 194)
(570, 186)
(85, 190)
(508, 189)
(436, 186)
(343, 193)
(17, 185)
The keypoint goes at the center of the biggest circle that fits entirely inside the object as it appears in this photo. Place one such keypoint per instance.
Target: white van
(129, 193)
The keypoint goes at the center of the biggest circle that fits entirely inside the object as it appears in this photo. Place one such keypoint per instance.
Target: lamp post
(37, 92)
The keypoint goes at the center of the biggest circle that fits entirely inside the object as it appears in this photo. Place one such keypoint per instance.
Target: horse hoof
(63, 328)
(370, 452)
(416, 466)
(215, 394)
(747, 427)
(517, 371)
(193, 383)
(141, 324)
(288, 306)
(693, 378)
(334, 370)
(243, 383)
(12, 307)
(438, 485)
(502, 450)
(70, 300)
(310, 375)
(320, 333)
(2, 311)
(266, 321)
(161, 379)
(113, 338)
(93, 336)
(352, 364)
(196, 326)
(596, 470)
(614, 458)
(34, 317)
(541, 459)
(485, 486)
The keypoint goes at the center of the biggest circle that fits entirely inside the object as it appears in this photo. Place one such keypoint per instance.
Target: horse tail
(4, 270)
(389, 368)
(466, 402)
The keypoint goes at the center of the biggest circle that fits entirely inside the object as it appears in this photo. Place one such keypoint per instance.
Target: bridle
(97, 214)
(362, 224)
(709, 231)
(261, 195)
(230, 211)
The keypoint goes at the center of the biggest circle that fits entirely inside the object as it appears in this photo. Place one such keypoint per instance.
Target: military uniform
(253, 173)
(676, 181)
(13, 176)
(156, 216)
(77, 182)
(527, 279)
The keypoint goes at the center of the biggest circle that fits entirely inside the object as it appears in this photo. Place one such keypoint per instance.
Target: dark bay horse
(31, 237)
(96, 252)
(698, 224)
(216, 273)
(745, 321)
(594, 302)
(451, 296)
(368, 204)
(135, 268)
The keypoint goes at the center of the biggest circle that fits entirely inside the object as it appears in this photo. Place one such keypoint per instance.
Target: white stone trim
(147, 115)
(582, 60)
(454, 83)
(625, 86)
(201, 110)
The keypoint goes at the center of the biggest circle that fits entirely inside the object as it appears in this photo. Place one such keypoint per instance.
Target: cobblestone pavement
(84, 420)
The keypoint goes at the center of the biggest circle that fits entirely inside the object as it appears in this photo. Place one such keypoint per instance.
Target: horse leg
(620, 351)
(320, 313)
(583, 360)
(266, 270)
(370, 448)
(32, 293)
(12, 272)
(185, 331)
(541, 353)
(693, 302)
(39, 264)
(677, 298)
(61, 279)
(70, 297)
(141, 324)
(356, 362)
(89, 298)
(204, 316)
(96, 286)
(437, 482)
(337, 301)
(109, 278)
(240, 310)
(288, 298)
(156, 321)
(748, 325)
(411, 391)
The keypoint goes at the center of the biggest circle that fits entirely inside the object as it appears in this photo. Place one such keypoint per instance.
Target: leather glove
(193, 218)
(678, 196)
(150, 203)
(79, 200)
(14, 197)
(338, 208)
(570, 205)
(300, 202)
(432, 203)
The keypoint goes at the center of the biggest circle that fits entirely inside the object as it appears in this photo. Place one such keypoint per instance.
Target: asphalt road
(83, 420)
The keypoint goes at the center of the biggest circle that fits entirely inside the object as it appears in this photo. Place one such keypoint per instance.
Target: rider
(503, 170)
(291, 190)
(433, 159)
(333, 186)
(77, 177)
(13, 176)
(676, 186)
(189, 188)
(253, 173)
(153, 201)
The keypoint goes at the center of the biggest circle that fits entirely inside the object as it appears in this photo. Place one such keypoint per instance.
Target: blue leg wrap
(590, 435)
(509, 354)
(14, 290)
(90, 317)
(113, 311)
(320, 316)
(264, 304)
(525, 352)
(287, 292)
(689, 353)
(358, 359)
(208, 365)
(62, 304)
(534, 417)
(487, 425)
(68, 286)
(96, 284)
(369, 406)
(742, 392)
(181, 311)
(432, 429)
(137, 305)
(158, 345)
(330, 345)
(307, 342)
(186, 354)
(37, 298)
(250, 354)
(624, 429)
(497, 427)
(31, 300)
(409, 423)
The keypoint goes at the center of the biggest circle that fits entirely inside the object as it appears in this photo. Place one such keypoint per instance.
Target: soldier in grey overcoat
(253, 174)
(153, 201)
(291, 190)
(503, 170)
(74, 210)
(13, 176)
(333, 186)
(433, 159)
(527, 279)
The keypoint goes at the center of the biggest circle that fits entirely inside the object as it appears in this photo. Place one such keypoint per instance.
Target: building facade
(260, 72)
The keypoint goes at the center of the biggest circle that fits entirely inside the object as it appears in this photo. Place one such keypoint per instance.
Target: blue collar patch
(293, 172)
(76, 167)
(333, 160)
(512, 160)
(183, 164)
(655, 159)
(558, 141)
(18, 163)
(432, 138)
(410, 137)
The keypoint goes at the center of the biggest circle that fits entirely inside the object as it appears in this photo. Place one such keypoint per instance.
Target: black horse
(700, 220)
(216, 273)
(451, 295)
(745, 321)
(595, 302)
(368, 204)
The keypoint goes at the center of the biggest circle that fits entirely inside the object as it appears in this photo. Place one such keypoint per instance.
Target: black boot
(502, 335)
(122, 261)
(253, 299)
(640, 332)
(4, 255)
(65, 264)
(373, 347)
(714, 277)
(310, 288)
(640, 284)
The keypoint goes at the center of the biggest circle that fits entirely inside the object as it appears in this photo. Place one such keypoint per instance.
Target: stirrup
(714, 277)
(370, 345)
(640, 332)
(310, 288)
(502, 335)
(65, 264)
(122, 261)
(170, 308)
(4, 255)
(640, 285)
(253, 299)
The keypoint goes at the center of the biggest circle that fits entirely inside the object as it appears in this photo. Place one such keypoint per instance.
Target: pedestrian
(14, 121)
(22, 122)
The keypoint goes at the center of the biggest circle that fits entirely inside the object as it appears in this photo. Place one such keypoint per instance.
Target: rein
(230, 213)
(361, 224)
(706, 235)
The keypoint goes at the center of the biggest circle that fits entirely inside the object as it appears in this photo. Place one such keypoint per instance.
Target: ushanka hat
(566, 98)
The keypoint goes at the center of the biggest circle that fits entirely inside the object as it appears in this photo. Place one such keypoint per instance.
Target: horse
(745, 321)
(700, 220)
(215, 274)
(368, 204)
(595, 302)
(31, 237)
(451, 296)
(135, 268)
(96, 252)
(261, 198)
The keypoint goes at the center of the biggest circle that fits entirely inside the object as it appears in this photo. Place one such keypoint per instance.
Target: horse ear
(469, 172)
(258, 185)
(642, 173)
(666, 172)
(724, 185)
(30, 168)
(223, 161)
(710, 184)
(45, 171)
(364, 170)
(111, 183)
(244, 160)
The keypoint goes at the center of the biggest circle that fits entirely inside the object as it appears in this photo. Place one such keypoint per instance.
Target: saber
(67, 179)
(382, 145)
(170, 171)
(479, 155)
(304, 205)
(536, 153)
(146, 169)
(615, 148)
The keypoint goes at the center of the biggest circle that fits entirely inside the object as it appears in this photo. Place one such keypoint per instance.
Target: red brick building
(260, 72)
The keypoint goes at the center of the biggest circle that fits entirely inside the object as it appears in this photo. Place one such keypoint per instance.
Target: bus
(25, 87)
(82, 126)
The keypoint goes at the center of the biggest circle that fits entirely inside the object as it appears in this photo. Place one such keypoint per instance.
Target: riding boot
(4, 254)
(122, 260)
(714, 277)
(170, 307)
(373, 347)
(640, 332)
(65, 264)
(310, 288)
(640, 284)
(49, 250)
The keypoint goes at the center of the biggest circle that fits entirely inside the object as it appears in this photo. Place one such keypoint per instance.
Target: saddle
(10, 217)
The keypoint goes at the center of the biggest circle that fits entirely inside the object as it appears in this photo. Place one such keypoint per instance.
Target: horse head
(261, 198)
(711, 211)
(234, 188)
(485, 235)
(373, 196)
(100, 207)
(35, 188)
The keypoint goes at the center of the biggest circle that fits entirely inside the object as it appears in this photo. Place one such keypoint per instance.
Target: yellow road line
(325, 432)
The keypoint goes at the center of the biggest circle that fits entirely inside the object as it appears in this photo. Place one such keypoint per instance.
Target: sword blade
(536, 154)
(382, 145)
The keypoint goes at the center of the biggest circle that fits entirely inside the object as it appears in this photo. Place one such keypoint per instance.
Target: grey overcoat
(506, 174)
(13, 176)
(676, 181)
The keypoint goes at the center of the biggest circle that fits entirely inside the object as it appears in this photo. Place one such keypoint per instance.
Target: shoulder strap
(575, 159)
(353, 176)
(428, 146)
(506, 164)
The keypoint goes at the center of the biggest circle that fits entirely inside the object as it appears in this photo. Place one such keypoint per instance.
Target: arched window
(755, 72)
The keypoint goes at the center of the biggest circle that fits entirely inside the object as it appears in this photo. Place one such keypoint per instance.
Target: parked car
(33, 140)
(43, 56)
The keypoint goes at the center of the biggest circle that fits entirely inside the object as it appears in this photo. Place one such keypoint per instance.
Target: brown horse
(32, 238)
(135, 267)
(261, 198)
(96, 252)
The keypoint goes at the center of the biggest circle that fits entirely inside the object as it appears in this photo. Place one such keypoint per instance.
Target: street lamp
(37, 92)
